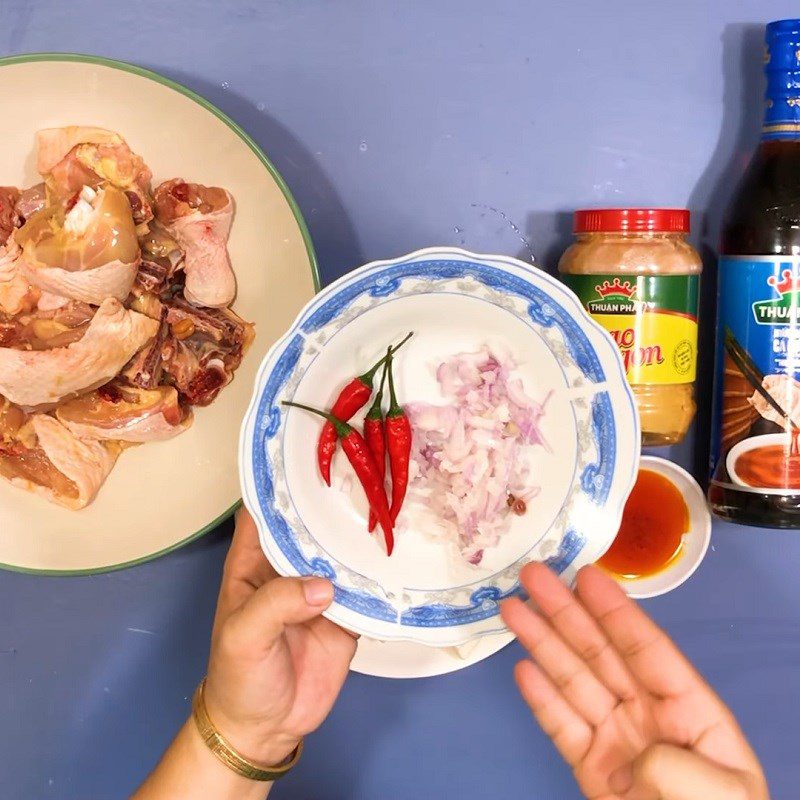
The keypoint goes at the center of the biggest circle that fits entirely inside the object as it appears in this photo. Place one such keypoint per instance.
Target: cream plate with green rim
(163, 494)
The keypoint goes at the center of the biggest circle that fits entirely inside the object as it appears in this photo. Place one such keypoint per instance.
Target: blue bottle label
(757, 392)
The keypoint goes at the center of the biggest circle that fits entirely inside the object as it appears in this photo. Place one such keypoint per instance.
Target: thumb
(664, 772)
(282, 602)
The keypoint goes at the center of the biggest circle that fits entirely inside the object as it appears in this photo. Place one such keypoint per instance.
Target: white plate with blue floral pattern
(454, 301)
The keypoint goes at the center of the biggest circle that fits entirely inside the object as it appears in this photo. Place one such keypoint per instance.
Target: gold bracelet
(227, 754)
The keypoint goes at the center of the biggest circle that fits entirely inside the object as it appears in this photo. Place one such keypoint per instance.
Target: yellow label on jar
(656, 346)
(651, 318)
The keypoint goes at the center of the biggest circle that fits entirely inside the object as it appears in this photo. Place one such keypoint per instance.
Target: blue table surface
(399, 126)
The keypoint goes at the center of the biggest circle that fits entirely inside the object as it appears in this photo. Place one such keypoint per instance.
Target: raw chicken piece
(9, 253)
(44, 457)
(72, 314)
(199, 218)
(88, 253)
(30, 201)
(44, 330)
(16, 293)
(73, 157)
(68, 178)
(161, 258)
(22, 461)
(125, 413)
(53, 144)
(221, 326)
(16, 296)
(199, 380)
(9, 218)
(33, 378)
(145, 303)
(147, 366)
(51, 302)
(11, 420)
(785, 391)
(32, 332)
(204, 349)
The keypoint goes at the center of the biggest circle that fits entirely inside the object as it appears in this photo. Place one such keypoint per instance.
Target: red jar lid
(659, 220)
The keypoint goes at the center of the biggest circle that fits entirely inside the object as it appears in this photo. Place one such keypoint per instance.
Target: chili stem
(368, 376)
(342, 428)
(375, 409)
(395, 409)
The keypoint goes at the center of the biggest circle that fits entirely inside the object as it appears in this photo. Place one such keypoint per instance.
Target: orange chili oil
(651, 533)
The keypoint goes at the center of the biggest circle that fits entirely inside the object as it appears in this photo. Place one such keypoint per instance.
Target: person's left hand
(624, 707)
(276, 665)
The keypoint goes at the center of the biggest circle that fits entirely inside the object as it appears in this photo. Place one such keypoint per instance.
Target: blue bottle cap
(782, 67)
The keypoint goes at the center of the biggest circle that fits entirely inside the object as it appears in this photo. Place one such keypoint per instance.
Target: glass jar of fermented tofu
(638, 276)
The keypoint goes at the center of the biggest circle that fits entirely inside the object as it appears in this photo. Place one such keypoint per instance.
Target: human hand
(276, 665)
(622, 705)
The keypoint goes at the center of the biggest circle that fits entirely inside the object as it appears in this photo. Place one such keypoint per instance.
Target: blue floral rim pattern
(595, 480)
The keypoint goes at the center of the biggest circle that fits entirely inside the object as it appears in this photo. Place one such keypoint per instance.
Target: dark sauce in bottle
(759, 325)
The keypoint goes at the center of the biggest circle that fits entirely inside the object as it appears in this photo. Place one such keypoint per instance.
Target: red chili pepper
(373, 434)
(350, 400)
(366, 470)
(398, 443)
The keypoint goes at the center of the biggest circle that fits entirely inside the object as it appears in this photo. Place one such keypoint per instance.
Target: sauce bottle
(637, 275)
(755, 467)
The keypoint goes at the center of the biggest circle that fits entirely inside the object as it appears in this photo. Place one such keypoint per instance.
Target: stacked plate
(424, 596)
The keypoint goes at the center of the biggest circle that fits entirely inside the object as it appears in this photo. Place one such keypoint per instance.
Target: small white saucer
(413, 660)
(695, 541)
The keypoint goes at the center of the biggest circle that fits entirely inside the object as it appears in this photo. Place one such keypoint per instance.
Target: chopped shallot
(466, 457)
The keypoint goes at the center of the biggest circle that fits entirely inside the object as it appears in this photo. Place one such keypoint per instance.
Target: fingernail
(318, 591)
(621, 780)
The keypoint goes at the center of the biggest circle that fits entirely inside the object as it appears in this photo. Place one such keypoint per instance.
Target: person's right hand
(625, 709)
(277, 665)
